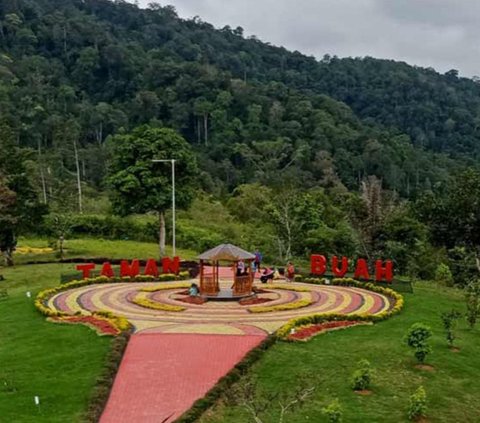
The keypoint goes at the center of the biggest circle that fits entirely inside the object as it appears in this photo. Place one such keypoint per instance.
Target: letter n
(361, 270)
(127, 269)
(384, 272)
(318, 264)
(171, 266)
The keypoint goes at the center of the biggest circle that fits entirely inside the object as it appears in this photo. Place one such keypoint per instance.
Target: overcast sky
(443, 34)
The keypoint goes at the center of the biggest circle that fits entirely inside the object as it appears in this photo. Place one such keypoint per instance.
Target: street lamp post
(172, 161)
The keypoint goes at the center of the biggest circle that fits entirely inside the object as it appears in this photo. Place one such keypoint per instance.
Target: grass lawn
(60, 363)
(453, 388)
(89, 247)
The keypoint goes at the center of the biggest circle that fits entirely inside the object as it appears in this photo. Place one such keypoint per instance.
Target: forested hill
(73, 72)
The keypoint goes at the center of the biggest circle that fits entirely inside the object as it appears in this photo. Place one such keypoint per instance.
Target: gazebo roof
(227, 252)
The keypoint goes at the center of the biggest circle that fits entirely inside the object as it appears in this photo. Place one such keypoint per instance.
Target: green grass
(59, 363)
(330, 359)
(89, 247)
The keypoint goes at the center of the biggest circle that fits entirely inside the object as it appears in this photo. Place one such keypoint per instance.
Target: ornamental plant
(444, 275)
(418, 404)
(417, 338)
(449, 320)
(362, 377)
(472, 300)
(333, 411)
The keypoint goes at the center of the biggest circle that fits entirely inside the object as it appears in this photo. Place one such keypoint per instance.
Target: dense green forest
(349, 156)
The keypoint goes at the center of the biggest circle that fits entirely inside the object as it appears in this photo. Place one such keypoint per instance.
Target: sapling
(472, 300)
(361, 378)
(418, 404)
(417, 338)
(449, 320)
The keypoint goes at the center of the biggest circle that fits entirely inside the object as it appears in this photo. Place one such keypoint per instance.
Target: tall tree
(138, 185)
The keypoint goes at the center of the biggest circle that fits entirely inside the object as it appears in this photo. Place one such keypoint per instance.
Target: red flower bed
(304, 333)
(253, 301)
(102, 326)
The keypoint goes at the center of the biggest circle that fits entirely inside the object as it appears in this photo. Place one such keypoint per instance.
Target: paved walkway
(162, 375)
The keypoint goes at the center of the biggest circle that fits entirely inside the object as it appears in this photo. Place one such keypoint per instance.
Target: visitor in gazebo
(193, 290)
(290, 272)
(267, 275)
(241, 268)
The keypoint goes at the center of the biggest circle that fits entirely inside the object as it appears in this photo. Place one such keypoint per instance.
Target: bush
(361, 378)
(444, 275)
(418, 404)
(449, 319)
(333, 411)
(417, 338)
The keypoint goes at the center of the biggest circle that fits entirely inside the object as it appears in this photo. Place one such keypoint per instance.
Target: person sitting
(290, 272)
(241, 268)
(194, 291)
(267, 275)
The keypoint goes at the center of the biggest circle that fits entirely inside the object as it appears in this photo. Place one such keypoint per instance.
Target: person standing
(290, 272)
(258, 260)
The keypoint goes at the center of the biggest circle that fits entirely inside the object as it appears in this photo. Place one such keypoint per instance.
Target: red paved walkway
(162, 375)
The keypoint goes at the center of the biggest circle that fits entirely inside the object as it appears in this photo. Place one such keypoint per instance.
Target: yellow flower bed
(142, 301)
(288, 287)
(281, 307)
(33, 250)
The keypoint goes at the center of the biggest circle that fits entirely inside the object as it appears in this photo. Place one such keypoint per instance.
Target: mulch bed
(192, 300)
(253, 301)
(103, 327)
(305, 333)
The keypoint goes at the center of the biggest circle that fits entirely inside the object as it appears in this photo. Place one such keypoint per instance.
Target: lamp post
(172, 161)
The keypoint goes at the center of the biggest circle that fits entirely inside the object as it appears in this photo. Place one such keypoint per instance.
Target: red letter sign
(361, 271)
(170, 266)
(107, 270)
(318, 264)
(383, 272)
(129, 270)
(151, 268)
(86, 268)
(339, 273)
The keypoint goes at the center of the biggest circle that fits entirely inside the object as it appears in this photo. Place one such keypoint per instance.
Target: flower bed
(282, 307)
(142, 301)
(101, 325)
(164, 287)
(304, 333)
(193, 300)
(253, 301)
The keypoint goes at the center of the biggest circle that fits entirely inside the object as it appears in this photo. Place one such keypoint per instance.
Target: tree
(449, 320)
(138, 185)
(472, 300)
(8, 220)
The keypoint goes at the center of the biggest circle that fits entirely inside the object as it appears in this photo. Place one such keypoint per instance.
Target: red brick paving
(162, 375)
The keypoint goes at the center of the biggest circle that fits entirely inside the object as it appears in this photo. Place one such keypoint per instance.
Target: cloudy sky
(443, 34)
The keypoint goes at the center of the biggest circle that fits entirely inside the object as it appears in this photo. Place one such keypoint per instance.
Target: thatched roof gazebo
(209, 279)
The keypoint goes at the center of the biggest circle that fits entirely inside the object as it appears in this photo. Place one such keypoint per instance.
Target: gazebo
(209, 278)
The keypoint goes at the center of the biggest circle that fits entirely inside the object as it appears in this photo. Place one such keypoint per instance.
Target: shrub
(472, 300)
(444, 275)
(361, 378)
(333, 411)
(418, 404)
(417, 338)
(449, 319)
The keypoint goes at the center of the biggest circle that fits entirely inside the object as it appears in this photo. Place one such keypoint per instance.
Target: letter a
(384, 272)
(151, 268)
(361, 271)
(318, 264)
(339, 273)
(107, 270)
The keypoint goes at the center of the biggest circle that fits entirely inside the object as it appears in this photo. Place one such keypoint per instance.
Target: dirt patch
(426, 367)
(455, 349)
(364, 392)
(253, 301)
